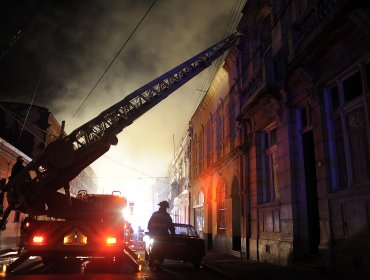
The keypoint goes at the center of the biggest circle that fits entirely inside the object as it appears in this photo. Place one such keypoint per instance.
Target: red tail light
(111, 240)
(38, 240)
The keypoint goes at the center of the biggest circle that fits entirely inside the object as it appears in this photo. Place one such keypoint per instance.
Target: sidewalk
(234, 268)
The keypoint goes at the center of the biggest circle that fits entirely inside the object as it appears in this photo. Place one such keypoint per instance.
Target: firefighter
(160, 222)
(17, 167)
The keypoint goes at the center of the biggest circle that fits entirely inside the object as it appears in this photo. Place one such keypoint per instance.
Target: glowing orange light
(38, 239)
(111, 240)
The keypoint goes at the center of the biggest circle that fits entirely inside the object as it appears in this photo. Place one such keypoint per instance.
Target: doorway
(236, 216)
(313, 226)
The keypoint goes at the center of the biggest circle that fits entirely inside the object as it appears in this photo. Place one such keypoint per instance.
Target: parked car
(185, 245)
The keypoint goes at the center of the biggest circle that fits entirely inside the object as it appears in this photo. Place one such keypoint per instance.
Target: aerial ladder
(36, 189)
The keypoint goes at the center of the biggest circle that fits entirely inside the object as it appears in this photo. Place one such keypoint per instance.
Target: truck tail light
(111, 240)
(38, 240)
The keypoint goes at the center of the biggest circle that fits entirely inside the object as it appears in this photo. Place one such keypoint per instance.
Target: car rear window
(185, 230)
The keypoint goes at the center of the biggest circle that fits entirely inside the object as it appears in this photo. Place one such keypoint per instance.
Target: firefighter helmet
(164, 204)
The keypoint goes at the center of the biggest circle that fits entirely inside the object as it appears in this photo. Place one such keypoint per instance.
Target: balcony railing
(263, 78)
(317, 14)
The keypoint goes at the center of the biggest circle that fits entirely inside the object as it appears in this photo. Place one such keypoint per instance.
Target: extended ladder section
(64, 159)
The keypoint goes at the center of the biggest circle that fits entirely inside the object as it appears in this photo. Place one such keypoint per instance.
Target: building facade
(215, 163)
(179, 178)
(280, 144)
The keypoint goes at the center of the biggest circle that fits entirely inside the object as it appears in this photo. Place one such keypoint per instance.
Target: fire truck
(98, 229)
(89, 225)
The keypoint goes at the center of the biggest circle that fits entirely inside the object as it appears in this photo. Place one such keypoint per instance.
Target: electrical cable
(273, 25)
(29, 109)
(227, 30)
(234, 13)
(13, 115)
(258, 48)
(115, 57)
(229, 27)
(111, 160)
(23, 27)
(30, 19)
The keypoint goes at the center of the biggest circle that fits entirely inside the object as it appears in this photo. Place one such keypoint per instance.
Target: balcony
(319, 20)
(261, 84)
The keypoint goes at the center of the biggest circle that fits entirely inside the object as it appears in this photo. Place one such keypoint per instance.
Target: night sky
(65, 46)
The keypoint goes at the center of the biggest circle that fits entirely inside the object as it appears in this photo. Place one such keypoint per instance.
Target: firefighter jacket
(160, 223)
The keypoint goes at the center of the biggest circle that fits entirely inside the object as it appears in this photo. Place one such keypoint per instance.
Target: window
(209, 142)
(200, 152)
(305, 115)
(266, 33)
(221, 210)
(195, 155)
(199, 220)
(367, 71)
(269, 166)
(17, 216)
(243, 61)
(218, 135)
(352, 87)
(348, 138)
(232, 120)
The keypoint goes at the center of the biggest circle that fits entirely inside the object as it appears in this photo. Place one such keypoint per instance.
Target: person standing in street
(160, 223)
(17, 167)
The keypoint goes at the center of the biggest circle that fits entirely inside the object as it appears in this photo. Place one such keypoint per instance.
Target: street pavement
(234, 268)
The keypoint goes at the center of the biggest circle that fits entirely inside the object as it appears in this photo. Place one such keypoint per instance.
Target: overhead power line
(17, 35)
(111, 63)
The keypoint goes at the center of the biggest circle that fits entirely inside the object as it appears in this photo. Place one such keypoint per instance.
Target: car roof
(182, 225)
